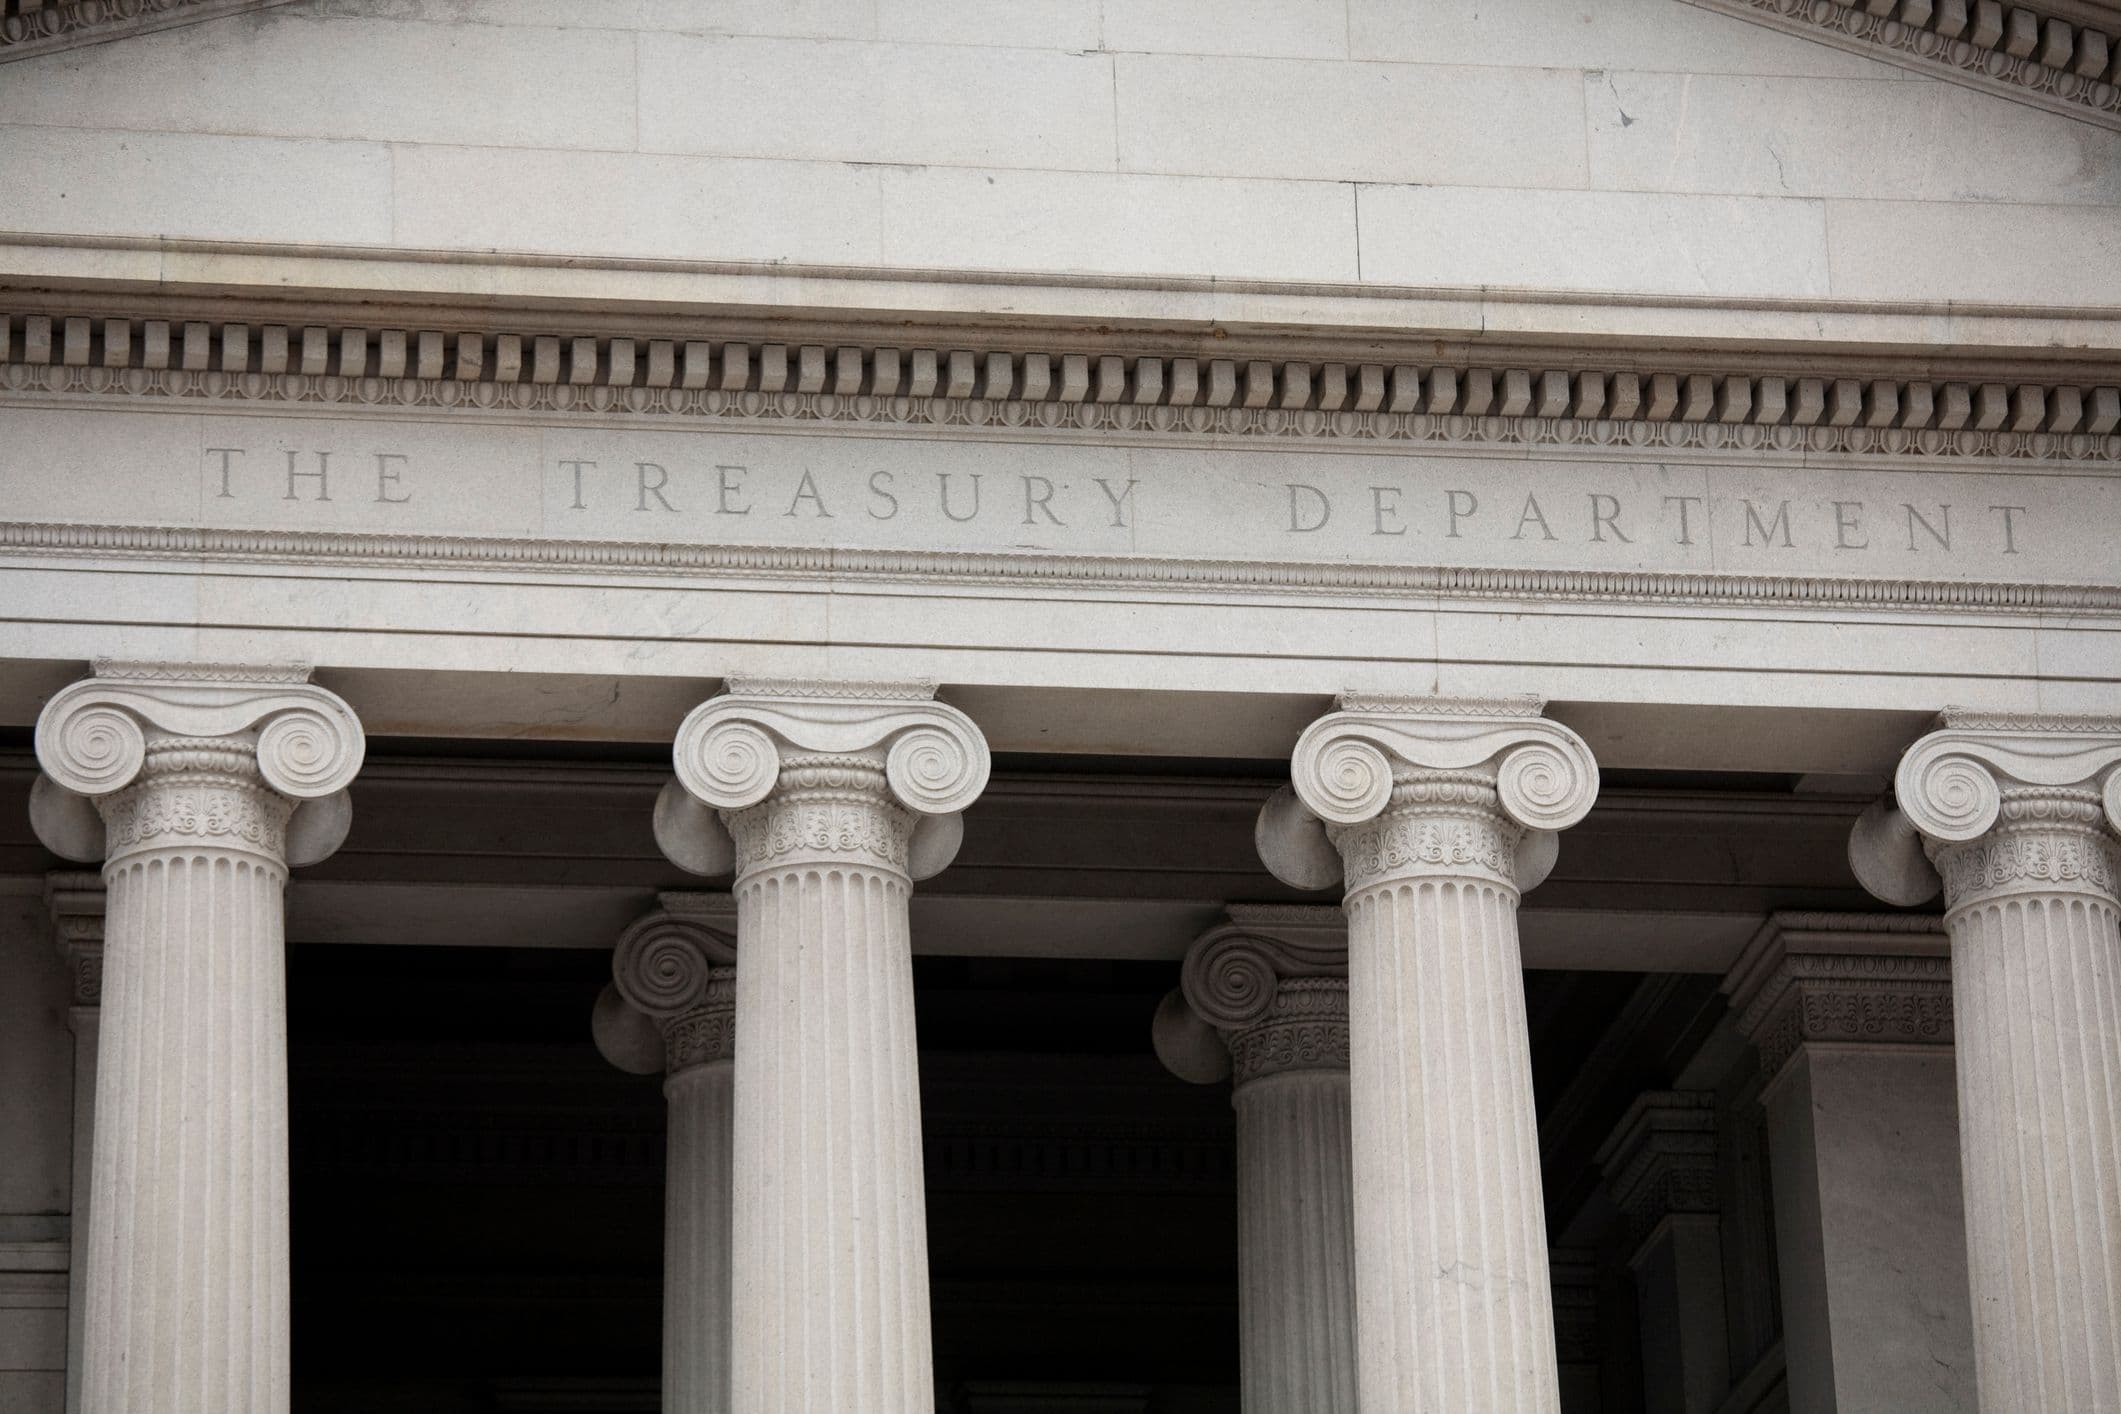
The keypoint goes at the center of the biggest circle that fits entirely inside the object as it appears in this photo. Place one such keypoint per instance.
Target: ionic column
(2019, 816)
(1852, 1015)
(1438, 812)
(671, 1007)
(76, 902)
(198, 787)
(1264, 999)
(829, 800)
(1660, 1167)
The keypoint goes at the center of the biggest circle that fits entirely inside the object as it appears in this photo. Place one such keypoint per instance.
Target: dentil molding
(100, 355)
(2061, 57)
(32, 27)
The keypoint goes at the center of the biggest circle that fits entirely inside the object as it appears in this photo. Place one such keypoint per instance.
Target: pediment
(32, 27)
(2060, 55)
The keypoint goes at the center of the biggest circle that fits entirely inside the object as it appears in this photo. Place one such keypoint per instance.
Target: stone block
(1621, 242)
(1355, 122)
(957, 105)
(115, 183)
(1118, 224)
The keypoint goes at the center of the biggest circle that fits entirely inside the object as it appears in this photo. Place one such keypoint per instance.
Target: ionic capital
(1263, 993)
(671, 1004)
(248, 757)
(1998, 804)
(1392, 787)
(1875, 978)
(888, 744)
(1660, 1160)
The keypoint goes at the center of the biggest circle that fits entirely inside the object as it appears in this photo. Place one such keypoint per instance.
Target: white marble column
(1660, 1167)
(2019, 816)
(1852, 1014)
(829, 800)
(76, 902)
(198, 786)
(1264, 1000)
(671, 1007)
(1438, 812)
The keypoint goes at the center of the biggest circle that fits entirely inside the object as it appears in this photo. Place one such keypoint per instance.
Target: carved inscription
(1270, 505)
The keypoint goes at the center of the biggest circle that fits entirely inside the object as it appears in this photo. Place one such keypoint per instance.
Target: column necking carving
(198, 786)
(828, 801)
(1271, 982)
(1437, 813)
(2019, 815)
(671, 1006)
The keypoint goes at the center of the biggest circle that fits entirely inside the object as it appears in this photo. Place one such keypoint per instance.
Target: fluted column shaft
(696, 1238)
(671, 1007)
(2036, 978)
(2021, 816)
(831, 1224)
(1440, 811)
(195, 775)
(1295, 1243)
(1453, 1296)
(829, 799)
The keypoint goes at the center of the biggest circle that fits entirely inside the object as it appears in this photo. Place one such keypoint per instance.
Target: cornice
(2043, 55)
(32, 27)
(1661, 1158)
(619, 374)
(1874, 978)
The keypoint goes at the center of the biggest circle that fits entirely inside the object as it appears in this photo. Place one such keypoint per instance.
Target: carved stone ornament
(1876, 978)
(1998, 803)
(671, 1003)
(27, 30)
(76, 902)
(1405, 786)
(1660, 1159)
(834, 752)
(145, 755)
(1268, 989)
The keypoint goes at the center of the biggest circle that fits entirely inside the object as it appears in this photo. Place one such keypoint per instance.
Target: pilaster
(1852, 1014)
(1436, 813)
(198, 786)
(828, 800)
(671, 1007)
(2019, 817)
(1660, 1167)
(1271, 982)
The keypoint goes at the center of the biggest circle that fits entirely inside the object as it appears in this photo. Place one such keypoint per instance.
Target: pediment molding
(2060, 55)
(32, 27)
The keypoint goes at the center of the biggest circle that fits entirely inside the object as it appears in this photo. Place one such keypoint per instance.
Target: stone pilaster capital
(1392, 786)
(1878, 978)
(890, 740)
(671, 1003)
(1997, 803)
(1264, 992)
(1660, 1160)
(221, 729)
(76, 900)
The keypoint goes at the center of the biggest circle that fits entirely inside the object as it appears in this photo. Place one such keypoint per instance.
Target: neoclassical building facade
(1139, 706)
